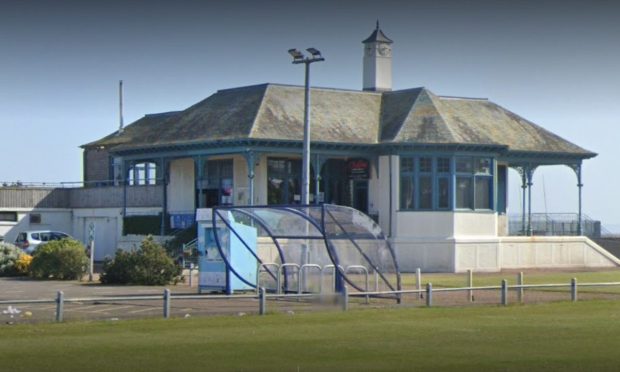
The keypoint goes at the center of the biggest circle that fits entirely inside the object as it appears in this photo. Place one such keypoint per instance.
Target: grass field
(554, 336)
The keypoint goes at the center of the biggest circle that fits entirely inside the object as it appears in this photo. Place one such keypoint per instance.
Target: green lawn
(555, 336)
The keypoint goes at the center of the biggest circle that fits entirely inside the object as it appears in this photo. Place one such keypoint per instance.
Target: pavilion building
(431, 170)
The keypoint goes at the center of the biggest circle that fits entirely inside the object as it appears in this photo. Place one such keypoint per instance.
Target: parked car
(28, 241)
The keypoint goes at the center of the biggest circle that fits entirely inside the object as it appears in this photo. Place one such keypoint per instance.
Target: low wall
(428, 255)
(553, 252)
(491, 254)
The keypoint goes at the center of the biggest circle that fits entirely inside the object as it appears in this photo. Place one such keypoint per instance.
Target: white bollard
(418, 278)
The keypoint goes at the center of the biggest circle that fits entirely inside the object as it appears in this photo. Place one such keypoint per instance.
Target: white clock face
(384, 50)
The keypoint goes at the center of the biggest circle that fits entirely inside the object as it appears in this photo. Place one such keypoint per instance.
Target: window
(463, 193)
(218, 188)
(443, 165)
(35, 218)
(283, 181)
(407, 183)
(483, 193)
(474, 183)
(425, 183)
(143, 174)
(443, 183)
(8, 216)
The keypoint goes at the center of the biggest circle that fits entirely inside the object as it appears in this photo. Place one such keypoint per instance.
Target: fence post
(376, 279)
(345, 298)
(191, 268)
(166, 303)
(573, 289)
(60, 306)
(470, 283)
(429, 294)
(262, 301)
(520, 289)
(418, 278)
(504, 292)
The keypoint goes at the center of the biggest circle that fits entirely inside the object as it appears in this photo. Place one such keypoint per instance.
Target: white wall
(430, 255)
(182, 187)
(51, 219)
(260, 181)
(382, 199)
(475, 224)
(375, 195)
(494, 254)
(424, 225)
(554, 252)
(108, 227)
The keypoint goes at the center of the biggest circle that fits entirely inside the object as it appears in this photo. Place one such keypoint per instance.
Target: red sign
(358, 169)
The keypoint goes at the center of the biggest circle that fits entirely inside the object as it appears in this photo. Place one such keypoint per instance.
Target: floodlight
(315, 52)
(296, 54)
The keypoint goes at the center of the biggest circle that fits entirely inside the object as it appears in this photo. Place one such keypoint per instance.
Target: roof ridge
(437, 103)
(258, 112)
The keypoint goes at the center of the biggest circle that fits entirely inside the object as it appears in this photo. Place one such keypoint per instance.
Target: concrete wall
(91, 197)
(477, 254)
(108, 224)
(475, 224)
(31, 197)
(425, 225)
(106, 197)
(553, 252)
(182, 187)
(431, 255)
(51, 219)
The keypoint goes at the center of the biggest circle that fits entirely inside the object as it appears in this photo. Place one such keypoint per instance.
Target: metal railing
(554, 224)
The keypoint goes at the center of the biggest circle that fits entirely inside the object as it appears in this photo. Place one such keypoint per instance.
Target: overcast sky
(555, 63)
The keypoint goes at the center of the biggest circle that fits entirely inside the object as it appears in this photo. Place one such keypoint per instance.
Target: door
(105, 236)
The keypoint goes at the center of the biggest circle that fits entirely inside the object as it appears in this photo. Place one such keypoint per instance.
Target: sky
(555, 63)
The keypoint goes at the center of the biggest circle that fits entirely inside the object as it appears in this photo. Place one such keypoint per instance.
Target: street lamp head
(296, 54)
(315, 52)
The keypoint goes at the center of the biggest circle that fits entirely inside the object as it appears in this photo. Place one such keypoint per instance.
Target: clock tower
(377, 61)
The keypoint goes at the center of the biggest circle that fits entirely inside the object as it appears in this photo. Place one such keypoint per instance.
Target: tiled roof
(275, 112)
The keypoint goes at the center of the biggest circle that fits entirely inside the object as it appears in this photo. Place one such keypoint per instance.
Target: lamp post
(299, 57)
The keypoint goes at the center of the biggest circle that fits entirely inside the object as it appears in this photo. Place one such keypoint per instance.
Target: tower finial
(377, 23)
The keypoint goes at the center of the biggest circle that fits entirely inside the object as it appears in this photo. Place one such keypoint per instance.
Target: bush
(148, 265)
(9, 256)
(60, 259)
(22, 265)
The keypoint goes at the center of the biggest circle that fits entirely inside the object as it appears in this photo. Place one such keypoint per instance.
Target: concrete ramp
(554, 252)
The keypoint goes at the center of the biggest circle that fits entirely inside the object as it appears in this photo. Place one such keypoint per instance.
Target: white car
(28, 241)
